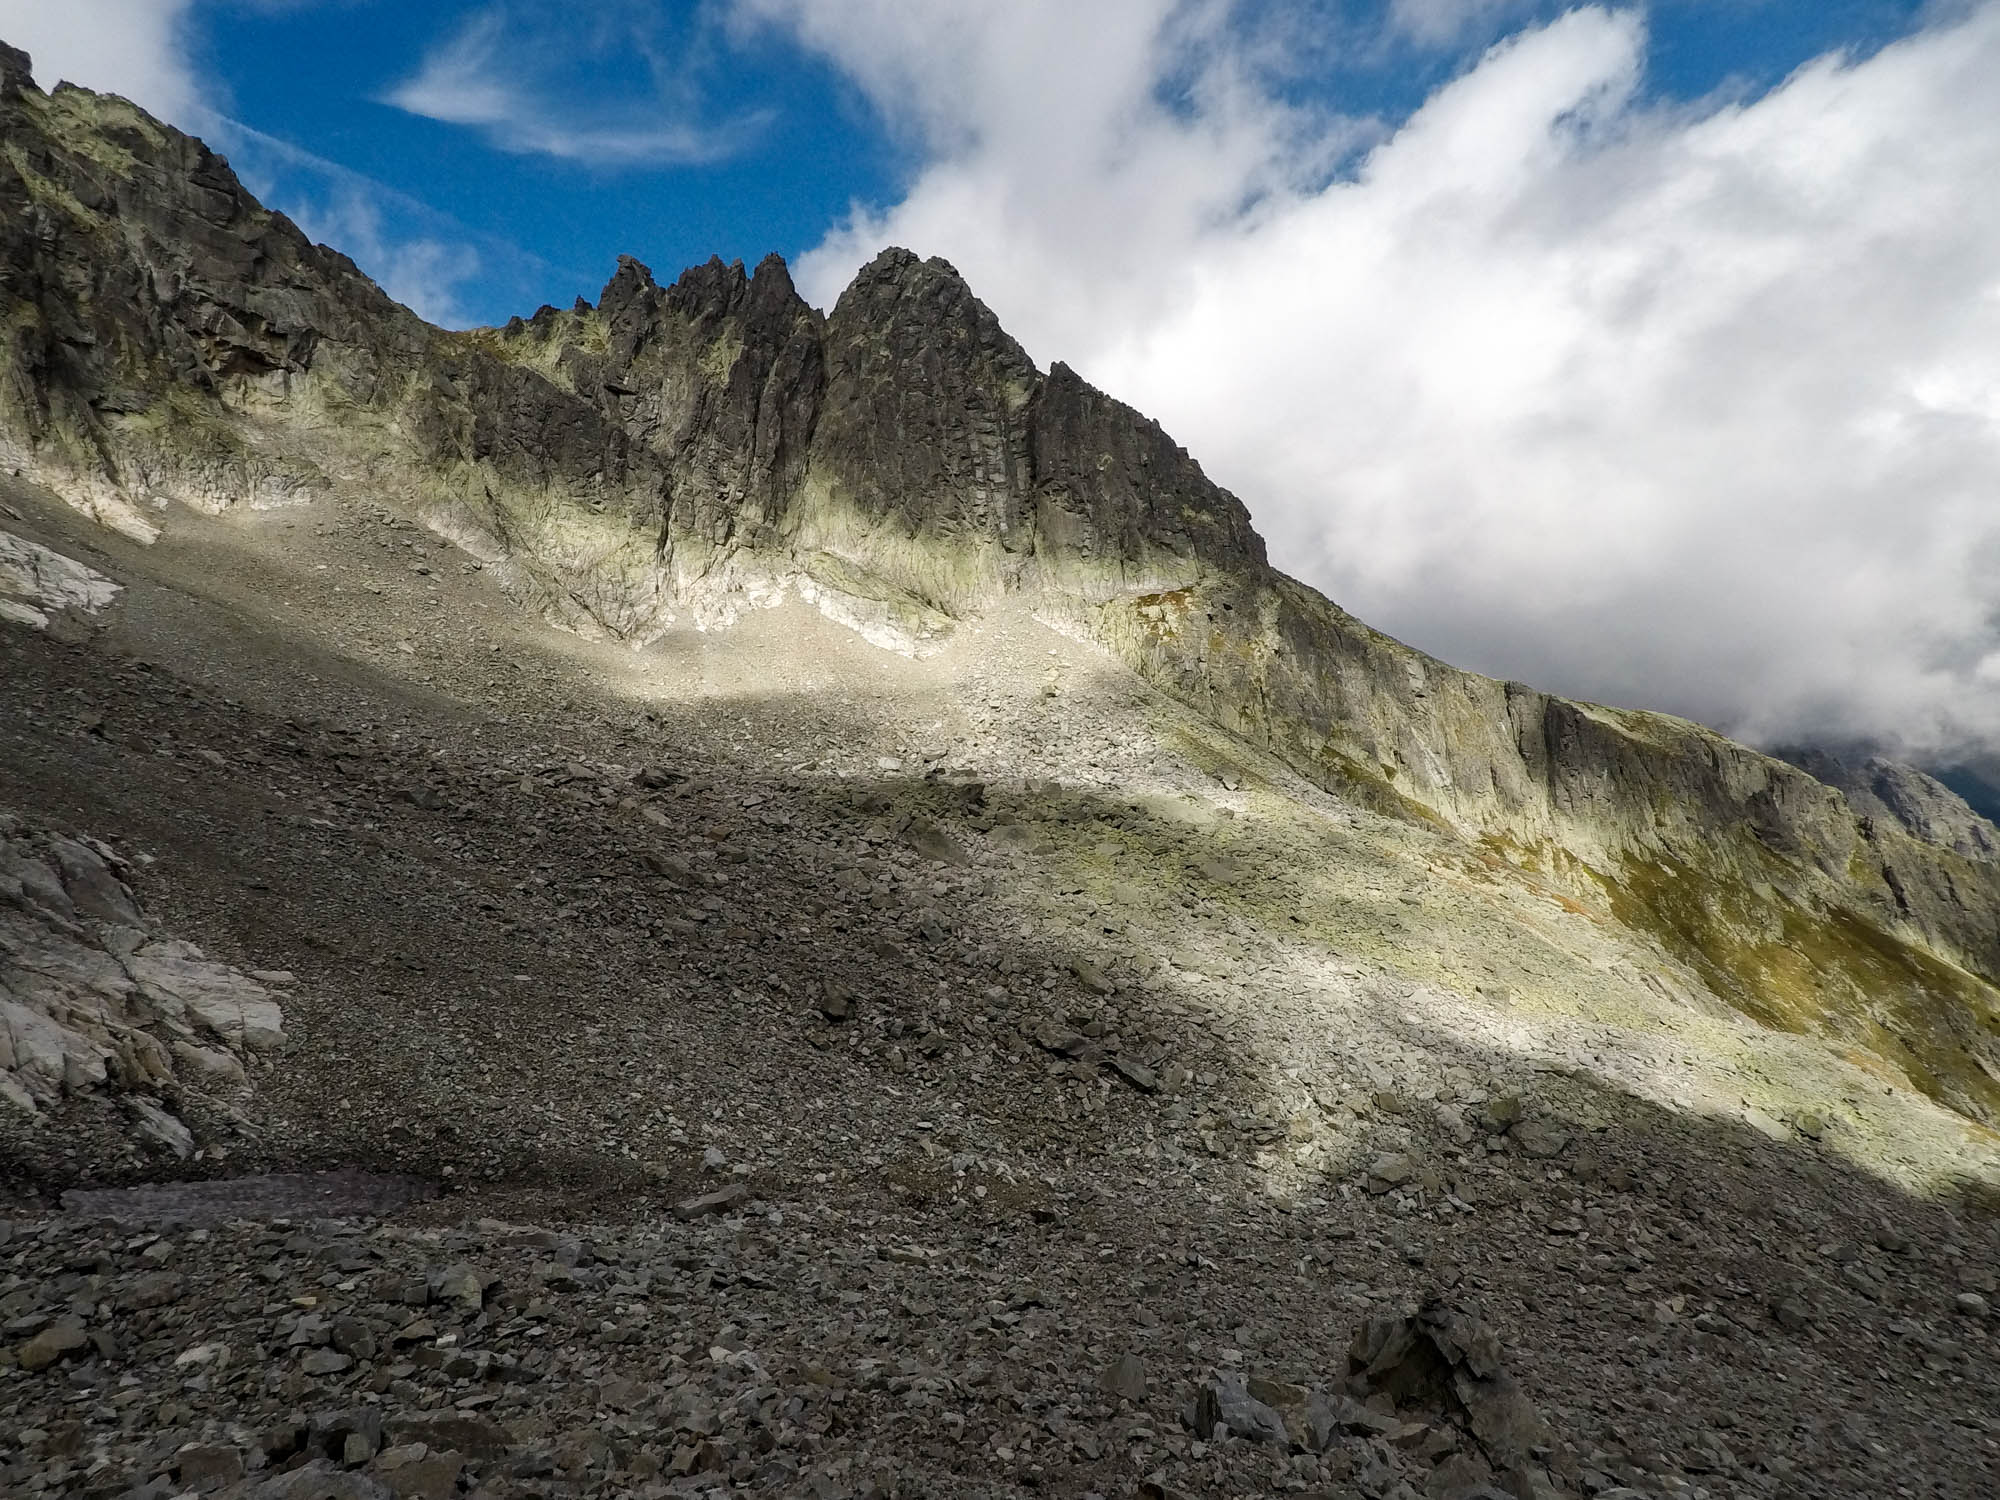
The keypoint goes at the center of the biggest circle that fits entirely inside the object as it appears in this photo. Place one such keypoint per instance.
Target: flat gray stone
(718, 1202)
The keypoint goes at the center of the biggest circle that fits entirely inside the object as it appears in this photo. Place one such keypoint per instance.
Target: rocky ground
(767, 1064)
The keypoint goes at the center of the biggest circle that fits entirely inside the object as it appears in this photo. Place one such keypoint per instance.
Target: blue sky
(1649, 352)
(791, 144)
(779, 141)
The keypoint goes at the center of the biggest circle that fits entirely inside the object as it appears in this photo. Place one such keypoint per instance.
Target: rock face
(1899, 795)
(694, 450)
(36, 583)
(142, 283)
(94, 1000)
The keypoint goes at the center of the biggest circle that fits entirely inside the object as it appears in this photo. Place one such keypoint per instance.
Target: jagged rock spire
(17, 72)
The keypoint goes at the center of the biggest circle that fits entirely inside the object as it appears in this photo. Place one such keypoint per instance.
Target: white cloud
(1439, 23)
(1060, 175)
(1691, 408)
(129, 47)
(481, 78)
(426, 275)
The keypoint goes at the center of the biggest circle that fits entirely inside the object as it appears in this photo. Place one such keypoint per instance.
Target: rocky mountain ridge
(693, 451)
(1898, 794)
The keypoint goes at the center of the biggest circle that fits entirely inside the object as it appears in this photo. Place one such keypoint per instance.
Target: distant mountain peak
(1905, 795)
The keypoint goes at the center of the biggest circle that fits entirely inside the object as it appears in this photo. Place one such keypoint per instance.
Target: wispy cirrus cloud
(426, 274)
(494, 75)
(422, 258)
(1446, 23)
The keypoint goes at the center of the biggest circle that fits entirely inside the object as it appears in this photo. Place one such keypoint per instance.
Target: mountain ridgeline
(680, 454)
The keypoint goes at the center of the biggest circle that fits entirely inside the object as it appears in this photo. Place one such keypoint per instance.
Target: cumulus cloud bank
(128, 47)
(1689, 407)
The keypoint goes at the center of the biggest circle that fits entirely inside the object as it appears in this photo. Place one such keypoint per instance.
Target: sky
(1647, 352)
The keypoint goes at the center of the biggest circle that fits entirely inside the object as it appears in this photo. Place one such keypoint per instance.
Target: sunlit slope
(691, 452)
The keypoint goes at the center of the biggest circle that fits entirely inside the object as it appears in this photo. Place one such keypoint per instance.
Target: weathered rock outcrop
(94, 1000)
(142, 285)
(36, 583)
(697, 449)
(1447, 1365)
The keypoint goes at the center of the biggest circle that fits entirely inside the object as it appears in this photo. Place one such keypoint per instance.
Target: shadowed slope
(697, 450)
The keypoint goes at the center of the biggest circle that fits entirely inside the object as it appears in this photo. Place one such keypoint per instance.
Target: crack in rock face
(93, 998)
(36, 583)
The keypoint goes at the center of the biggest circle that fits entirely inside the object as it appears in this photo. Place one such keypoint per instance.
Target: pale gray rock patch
(93, 1000)
(36, 582)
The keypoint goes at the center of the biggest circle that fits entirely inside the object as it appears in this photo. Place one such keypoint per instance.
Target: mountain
(1973, 783)
(692, 451)
(686, 891)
